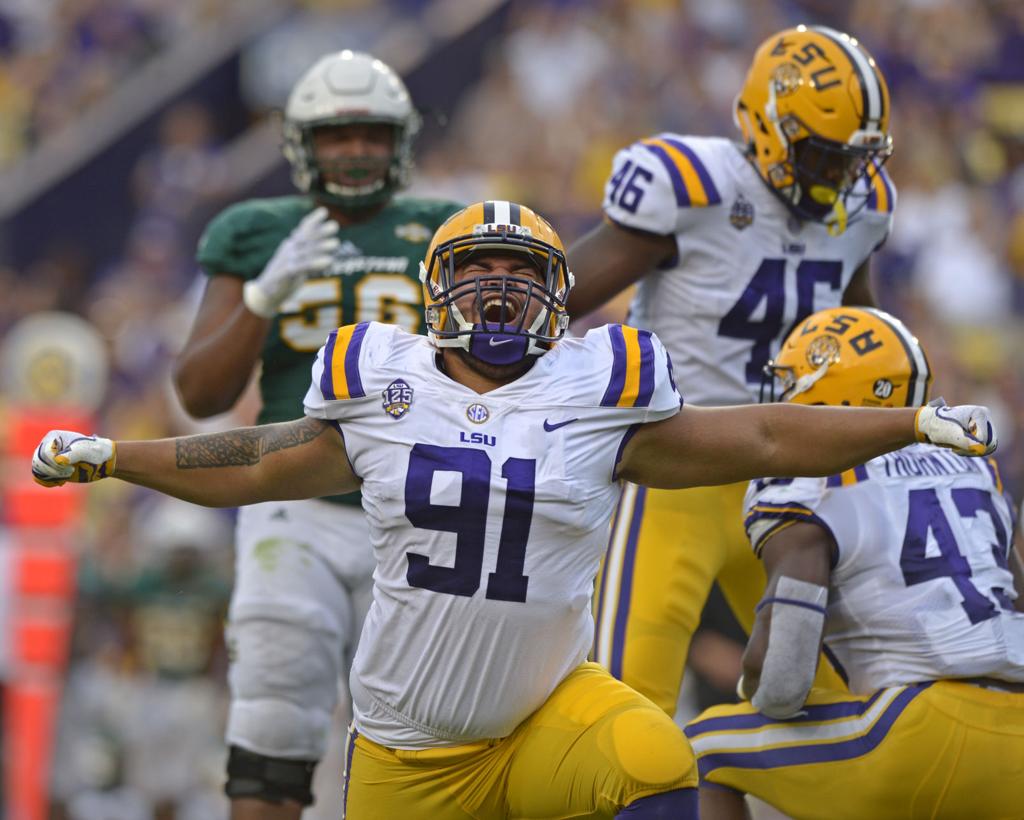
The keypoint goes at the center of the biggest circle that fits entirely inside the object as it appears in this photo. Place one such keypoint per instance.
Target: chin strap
(835, 222)
(805, 382)
(497, 348)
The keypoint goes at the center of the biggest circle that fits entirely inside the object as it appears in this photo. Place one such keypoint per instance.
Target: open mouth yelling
(501, 311)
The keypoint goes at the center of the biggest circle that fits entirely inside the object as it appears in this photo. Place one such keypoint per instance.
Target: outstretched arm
(720, 445)
(304, 458)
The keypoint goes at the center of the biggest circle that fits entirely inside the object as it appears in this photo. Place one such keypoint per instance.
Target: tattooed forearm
(244, 447)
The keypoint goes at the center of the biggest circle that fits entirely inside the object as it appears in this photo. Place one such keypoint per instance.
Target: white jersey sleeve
(656, 182)
(633, 373)
(344, 385)
(772, 504)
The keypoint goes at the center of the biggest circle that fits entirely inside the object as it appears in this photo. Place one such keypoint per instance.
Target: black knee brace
(273, 779)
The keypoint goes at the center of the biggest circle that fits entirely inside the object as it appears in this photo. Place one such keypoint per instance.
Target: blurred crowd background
(126, 124)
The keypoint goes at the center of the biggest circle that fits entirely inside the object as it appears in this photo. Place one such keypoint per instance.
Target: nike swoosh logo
(548, 427)
(495, 342)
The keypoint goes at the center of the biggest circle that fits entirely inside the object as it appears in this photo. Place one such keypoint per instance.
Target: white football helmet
(343, 88)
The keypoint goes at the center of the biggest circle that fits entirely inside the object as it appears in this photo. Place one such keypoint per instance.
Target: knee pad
(651, 750)
(271, 779)
(284, 687)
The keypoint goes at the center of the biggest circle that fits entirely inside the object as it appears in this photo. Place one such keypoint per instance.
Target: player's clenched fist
(967, 428)
(308, 249)
(64, 455)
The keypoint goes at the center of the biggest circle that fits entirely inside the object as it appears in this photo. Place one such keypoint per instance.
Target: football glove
(64, 455)
(966, 429)
(306, 251)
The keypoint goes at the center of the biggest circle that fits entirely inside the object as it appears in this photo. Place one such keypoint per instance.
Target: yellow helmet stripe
(687, 171)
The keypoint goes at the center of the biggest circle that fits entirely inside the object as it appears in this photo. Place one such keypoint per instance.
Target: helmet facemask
(831, 181)
(385, 174)
(518, 316)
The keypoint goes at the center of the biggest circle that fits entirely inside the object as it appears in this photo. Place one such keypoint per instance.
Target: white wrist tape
(798, 618)
(256, 300)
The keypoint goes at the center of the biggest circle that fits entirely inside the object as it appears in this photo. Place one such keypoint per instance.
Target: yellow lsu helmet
(862, 357)
(814, 114)
(503, 335)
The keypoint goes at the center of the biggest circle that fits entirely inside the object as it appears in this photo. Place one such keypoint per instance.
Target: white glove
(64, 455)
(966, 429)
(307, 250)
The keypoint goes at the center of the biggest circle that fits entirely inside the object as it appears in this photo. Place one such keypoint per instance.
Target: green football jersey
(374, 277)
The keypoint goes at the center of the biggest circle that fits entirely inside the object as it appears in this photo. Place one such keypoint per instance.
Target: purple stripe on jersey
(860, 472)
(604, 576)
(832, 659)
(705, 178)
(809, 714)
(789, 602)
(630, 432)
(682, 196)
(326, 378)
(626, 584)
(355, 384)
(814, 752)
(672, 376)
(617, 382)
(349, 756)
(643, 398)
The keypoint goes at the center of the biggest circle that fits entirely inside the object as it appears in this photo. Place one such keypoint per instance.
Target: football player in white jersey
(904, 567)
(731, 244)
(488, 456)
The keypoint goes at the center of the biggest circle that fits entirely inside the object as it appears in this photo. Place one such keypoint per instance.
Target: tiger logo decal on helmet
(862, 357)
(814, 114)
(505, 332)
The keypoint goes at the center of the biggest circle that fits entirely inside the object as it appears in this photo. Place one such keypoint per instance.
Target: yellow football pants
(593, 747)
(667, 548)
(946, 750)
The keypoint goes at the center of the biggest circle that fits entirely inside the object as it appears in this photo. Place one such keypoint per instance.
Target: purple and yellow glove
(966, 429)
(64, 455)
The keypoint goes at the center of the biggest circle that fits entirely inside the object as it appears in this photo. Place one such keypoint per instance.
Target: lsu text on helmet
(862, 357)
(347, 88)
(505, 332)
(814, 114)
